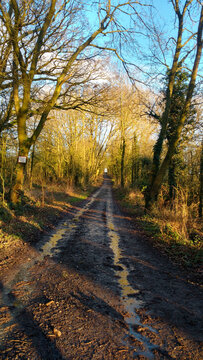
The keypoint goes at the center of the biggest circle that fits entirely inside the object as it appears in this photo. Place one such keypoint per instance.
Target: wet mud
(95, 289)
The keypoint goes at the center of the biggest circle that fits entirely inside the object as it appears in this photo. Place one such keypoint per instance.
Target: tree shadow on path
(44, 348)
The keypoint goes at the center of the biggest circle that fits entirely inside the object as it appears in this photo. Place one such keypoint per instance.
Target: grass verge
(173, 230)
(39, 211)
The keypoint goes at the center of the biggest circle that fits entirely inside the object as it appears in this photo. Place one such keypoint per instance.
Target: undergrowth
(39, 210)
(174, 227)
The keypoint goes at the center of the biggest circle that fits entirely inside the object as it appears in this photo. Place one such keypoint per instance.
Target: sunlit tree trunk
(123, 146)
(23, 151)
(201, 184)
(158, 174)
(32, 165)
(172, 179)
(20, 174)
(134, 166)
(164, 121)
(29, 49)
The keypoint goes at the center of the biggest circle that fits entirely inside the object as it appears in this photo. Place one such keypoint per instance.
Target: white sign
(22, 159)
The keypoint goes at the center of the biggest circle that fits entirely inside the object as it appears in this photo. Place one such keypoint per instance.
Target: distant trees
(130, 149)
(124, 117)
(69, 149)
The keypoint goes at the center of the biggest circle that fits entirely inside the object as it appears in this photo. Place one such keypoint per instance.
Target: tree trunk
(155, 185)
(32, 164)
(133, 175)
(134, 169)
(20, 174)
(123, 145)
(172, 179)
(169, 92)
(201, 183)
(18, 186)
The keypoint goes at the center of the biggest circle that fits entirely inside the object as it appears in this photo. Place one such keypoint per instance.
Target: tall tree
(201, 184)
(177, 102)
(159, 170)
(49, 44)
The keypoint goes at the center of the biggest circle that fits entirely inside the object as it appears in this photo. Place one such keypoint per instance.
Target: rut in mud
(95, 289)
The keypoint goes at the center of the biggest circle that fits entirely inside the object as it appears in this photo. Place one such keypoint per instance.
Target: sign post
(22, 159)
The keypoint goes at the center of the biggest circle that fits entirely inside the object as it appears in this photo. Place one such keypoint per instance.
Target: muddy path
(95, 289)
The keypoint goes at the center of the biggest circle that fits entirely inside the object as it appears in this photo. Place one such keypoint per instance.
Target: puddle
(51, 245)
(48, 246)
(128, 293)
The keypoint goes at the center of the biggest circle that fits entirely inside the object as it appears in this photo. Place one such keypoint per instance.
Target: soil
(95, 288)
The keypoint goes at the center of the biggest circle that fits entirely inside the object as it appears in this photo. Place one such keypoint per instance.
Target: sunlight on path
(65, 228)
(128, 294)
(47, 247)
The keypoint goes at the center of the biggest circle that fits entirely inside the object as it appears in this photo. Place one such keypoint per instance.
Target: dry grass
(174, 226)
(136, 197)
(40, 210)
(55, 194)
(182, 218)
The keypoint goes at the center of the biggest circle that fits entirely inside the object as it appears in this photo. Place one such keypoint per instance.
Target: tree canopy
(95, 71)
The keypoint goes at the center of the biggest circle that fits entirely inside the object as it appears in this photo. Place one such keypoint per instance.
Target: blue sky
(164, 16)
(164, 8)
(139, 53)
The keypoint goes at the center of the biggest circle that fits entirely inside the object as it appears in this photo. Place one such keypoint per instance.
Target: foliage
(172, 227)
(64, 106)
(25, 222)
(134, 134)
(172, 126)
(49, 61)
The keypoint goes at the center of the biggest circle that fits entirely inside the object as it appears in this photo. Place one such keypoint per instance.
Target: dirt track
(95, 289)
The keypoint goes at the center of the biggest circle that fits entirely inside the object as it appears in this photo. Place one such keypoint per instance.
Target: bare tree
(159, 170)
(50, 49)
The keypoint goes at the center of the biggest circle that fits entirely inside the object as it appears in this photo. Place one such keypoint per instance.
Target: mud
(95, 289)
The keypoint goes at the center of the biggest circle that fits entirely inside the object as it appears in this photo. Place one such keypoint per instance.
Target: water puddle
(48, 246)
(51, 245)
(128, 294)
